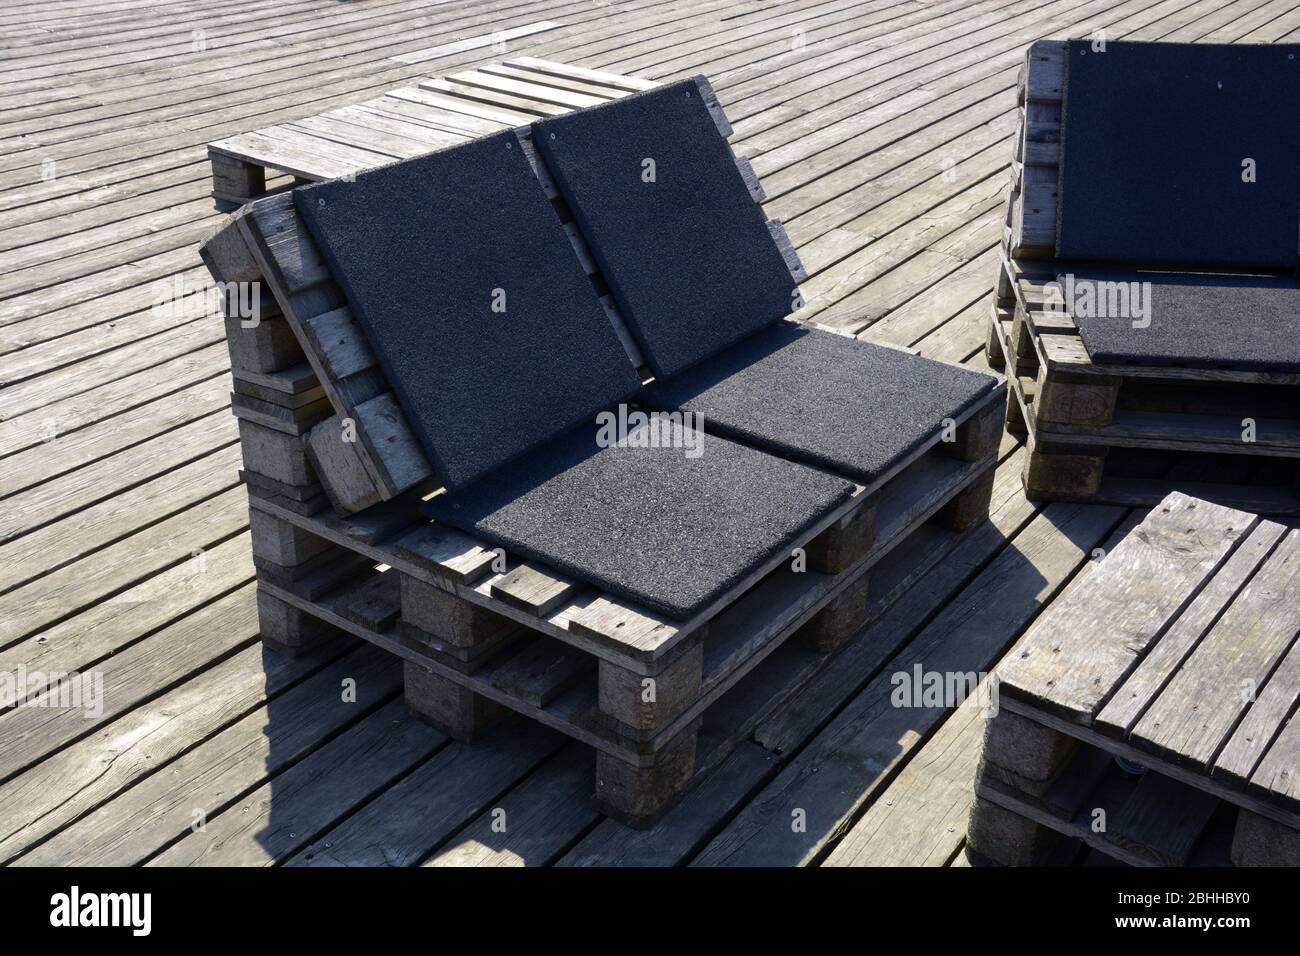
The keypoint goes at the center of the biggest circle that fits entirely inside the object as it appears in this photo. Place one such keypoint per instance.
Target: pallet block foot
(1024, 754)
(1002, 837)
(235, 180)
(1065, 402)
(844, 543)
(1014, 416)
(1063, 472)
(455, 710)
(978, 436)
(275, 454)
(636, 706)
(970, 507)
(1259, 841)
(283, 543)
(448, 617)
(288, 629)
(993, 348)
(839, 620)
(639, 796)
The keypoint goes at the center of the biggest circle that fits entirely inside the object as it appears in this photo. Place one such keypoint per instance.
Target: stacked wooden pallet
(1118, 433)
(1177, 655)
(335, 477)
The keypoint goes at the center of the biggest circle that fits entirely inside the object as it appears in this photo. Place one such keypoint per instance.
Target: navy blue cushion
(688, 257)
(1153, 140)
(424, 249)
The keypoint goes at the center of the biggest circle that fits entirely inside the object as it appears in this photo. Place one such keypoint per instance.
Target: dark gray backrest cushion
(424, 250)
(687, 254)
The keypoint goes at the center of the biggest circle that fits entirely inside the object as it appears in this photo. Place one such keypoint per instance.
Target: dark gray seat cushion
(669, 532)
(688, 257)
(1196, 321)
(1153, 140)
(850, 406)
(421, 249)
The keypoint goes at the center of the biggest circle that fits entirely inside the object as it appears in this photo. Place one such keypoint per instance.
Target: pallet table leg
(1024, 754)
(970, 506)
(999, 836)
(1064, 471)
(235, 181)
(288, 629)
(455, 710)
(839, 620)
(1259, 841)
(638, 796)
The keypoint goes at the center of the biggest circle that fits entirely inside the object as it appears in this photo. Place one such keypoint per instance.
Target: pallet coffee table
(1177, 653)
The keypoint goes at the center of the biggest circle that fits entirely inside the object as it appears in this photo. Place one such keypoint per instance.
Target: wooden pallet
(1114, 433)
(1177, 653)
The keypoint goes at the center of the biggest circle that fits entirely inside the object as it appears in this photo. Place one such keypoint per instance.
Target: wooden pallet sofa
(340, 484)
(1218, 413)
(1178, 656)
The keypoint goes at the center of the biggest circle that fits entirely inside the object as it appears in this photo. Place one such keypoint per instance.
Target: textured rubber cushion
(1154, 137)
(427, 251)
(687, 256)
(1196, 321)
(850, 406)
(667, 531)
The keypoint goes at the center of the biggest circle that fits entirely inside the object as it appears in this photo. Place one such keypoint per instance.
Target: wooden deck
(881, 131)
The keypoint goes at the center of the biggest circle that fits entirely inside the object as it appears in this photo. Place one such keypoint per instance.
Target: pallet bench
(1112, 433)
(341, 547)
(1178, 654)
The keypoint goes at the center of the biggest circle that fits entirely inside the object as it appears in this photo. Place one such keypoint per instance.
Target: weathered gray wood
(1076, 655)
(533, 823)
(278, 818)
(1192, 717)
(275, 454)
(542, 671)
(533, 589)
(638, 796)
(1262, 724)
(128, 829)
(450, 707)
(1162, 820)
(1137, 692)
(339, 467)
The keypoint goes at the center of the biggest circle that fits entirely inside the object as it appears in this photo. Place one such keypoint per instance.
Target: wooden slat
(1137, 692)
(1075, 656)
(1193, 716)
